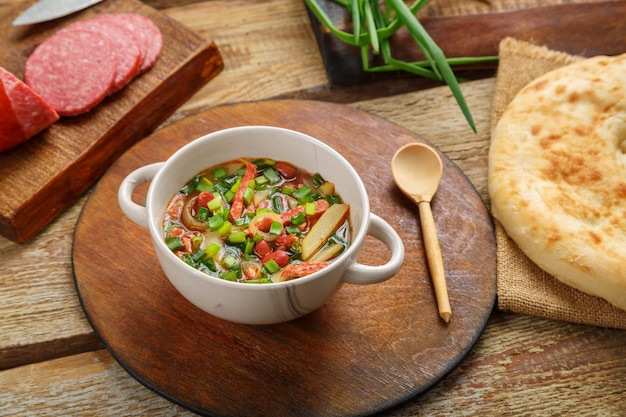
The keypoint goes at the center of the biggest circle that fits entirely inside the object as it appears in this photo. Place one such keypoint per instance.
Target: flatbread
(557, 175)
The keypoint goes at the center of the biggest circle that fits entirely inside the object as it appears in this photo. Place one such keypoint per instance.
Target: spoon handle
(435, 262)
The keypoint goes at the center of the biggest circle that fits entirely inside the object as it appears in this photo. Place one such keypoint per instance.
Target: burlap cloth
(522, 286)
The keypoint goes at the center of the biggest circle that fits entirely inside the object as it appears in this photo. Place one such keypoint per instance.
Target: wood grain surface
(52, 363)
(369, 348)
(520, 366)
(41, 177)
(584, 29)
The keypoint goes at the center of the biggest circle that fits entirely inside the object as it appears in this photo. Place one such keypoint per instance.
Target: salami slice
(73, 70)
(32, 112)
(11, 133)
(149, 35)
(154, 43)
(126, 47)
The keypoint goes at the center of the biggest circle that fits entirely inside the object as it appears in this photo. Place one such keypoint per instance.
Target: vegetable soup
(256, 220)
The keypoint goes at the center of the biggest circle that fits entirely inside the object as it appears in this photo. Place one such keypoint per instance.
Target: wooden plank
(85, 384)
(521, 365)
(581, 29)
(271, 54)
(41, 177)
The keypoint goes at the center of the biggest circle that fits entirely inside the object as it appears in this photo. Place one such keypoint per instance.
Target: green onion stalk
(373, 25)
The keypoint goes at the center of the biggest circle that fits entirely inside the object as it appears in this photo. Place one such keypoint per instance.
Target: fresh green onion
(277, 204)
(225, 229)
(197, 256)
(332, 199)
(196, 241)
(292, 230)
(204, 184)
(242, 221)
(276, 228)
(229, 196)
(212, 249)
(222, 187)
(248, 194)
(249, 248)
(237, 237)
(438, 59)
(302, 192)
(356, 18)
(209, 263)
(188, 260)
(374, 25)
(317, 179)
(309, 209)
(216, 222)
(371, 25)
(191, 185)
(203, 214)
(261, 182)
(271, 266)
(229, 261)
(216, 203)
(288, 190)
(236, 185)
(271, 175)
(219, 172)
(298, 219)
(174, 243)
(231, 275)
(263, 163)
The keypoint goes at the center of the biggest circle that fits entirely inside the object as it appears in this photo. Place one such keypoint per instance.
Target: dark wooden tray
(368, 349)
(41, 177)
(584, 29)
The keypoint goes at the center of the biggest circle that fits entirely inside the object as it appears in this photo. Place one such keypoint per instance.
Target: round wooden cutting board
(368, 349)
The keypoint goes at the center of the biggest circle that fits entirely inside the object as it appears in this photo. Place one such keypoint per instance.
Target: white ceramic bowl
(262, 303)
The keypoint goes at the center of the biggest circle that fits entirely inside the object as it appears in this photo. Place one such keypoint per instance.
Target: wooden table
(52, 363)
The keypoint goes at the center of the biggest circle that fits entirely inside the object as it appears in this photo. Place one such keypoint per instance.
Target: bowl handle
(358, 273)
(136, 212)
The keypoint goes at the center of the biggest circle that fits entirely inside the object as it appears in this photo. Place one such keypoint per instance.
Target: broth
(257, 220)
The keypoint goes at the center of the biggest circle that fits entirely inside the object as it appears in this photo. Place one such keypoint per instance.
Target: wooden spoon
(417, 171)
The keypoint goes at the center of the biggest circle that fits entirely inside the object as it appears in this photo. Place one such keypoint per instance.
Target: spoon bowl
(417, 171)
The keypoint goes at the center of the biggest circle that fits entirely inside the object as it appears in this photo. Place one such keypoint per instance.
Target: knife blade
(44, 10)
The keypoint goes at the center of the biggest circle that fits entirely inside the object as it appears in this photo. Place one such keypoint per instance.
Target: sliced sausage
(149, 35)
(155, 43)
(31, 111)
(126, 47)
(72, 70)
(11, 133)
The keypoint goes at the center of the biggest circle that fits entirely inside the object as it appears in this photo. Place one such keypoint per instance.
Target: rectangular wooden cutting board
(584, 29)
(43, 176)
